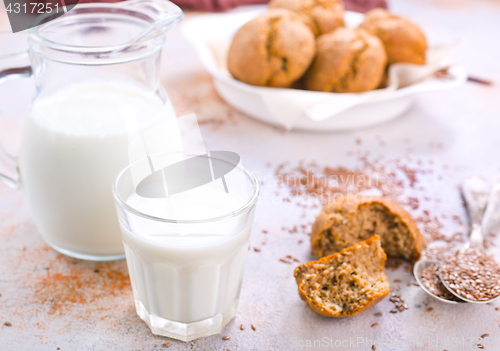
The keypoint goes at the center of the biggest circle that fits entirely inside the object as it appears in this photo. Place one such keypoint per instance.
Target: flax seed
(374, 325)
(8, 324)
(226, 337)
(166, 344)
(254, 327)
(432, 282)
(242, 327)
(472, 274)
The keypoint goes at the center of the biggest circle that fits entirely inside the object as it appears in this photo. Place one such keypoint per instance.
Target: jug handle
(10, 73)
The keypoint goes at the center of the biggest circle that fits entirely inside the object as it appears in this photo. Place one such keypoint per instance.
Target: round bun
(403, 40)
(322, 16)
(348, 61)
(274, 49)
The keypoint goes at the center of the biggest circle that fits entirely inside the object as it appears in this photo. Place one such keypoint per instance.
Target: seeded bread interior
(345, 283)
(357, 218)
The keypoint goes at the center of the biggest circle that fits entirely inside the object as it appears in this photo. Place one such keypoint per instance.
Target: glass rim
(248, 204)
(35, 33)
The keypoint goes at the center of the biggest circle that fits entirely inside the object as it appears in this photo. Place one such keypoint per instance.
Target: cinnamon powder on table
(62, 284)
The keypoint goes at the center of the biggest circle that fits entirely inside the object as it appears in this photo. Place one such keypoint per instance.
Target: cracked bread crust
(357, 218)
(403, 40)
(274, 49)
(348, 61)
(322, 16)
(345, 283)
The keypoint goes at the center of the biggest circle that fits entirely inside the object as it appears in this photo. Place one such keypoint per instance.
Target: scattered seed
(226, 337)
(399, 303)
(485, 335)
(8, 324)
(285, 260)
(256, 249)
(430, 309)
(265, 231)
(254, 327)
(374, 325)
(479, 346)
(374, 347)
(166, 344)
(378, 314)
(397, 280)
(242, 327)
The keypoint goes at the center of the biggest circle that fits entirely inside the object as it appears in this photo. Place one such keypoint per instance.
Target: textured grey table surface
(54, 302)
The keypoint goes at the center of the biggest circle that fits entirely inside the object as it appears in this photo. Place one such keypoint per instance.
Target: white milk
(192, 279)
(74, 146)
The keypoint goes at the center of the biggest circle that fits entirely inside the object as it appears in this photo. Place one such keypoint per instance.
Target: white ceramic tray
(207, 31)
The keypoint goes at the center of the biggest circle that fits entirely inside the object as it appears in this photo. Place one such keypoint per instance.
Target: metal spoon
(475, 191)
(418, 270)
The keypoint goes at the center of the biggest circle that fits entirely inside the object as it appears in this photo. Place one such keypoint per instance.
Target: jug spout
(164, 14)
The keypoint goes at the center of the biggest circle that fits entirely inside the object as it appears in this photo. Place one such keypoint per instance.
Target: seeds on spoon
(430, 279)
(472, 274)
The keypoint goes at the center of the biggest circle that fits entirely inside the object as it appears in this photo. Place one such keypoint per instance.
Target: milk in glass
(186, 253)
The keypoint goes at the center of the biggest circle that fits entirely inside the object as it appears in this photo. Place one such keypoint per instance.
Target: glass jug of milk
(96, 69)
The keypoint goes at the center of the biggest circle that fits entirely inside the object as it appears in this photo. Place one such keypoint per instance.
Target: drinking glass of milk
(185, 224)
(92, 67)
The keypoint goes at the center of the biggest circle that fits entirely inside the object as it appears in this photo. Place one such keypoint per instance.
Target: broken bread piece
(357, 218)
(345, 283)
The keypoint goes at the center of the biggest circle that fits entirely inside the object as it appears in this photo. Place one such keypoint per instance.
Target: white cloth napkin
(288, 105)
